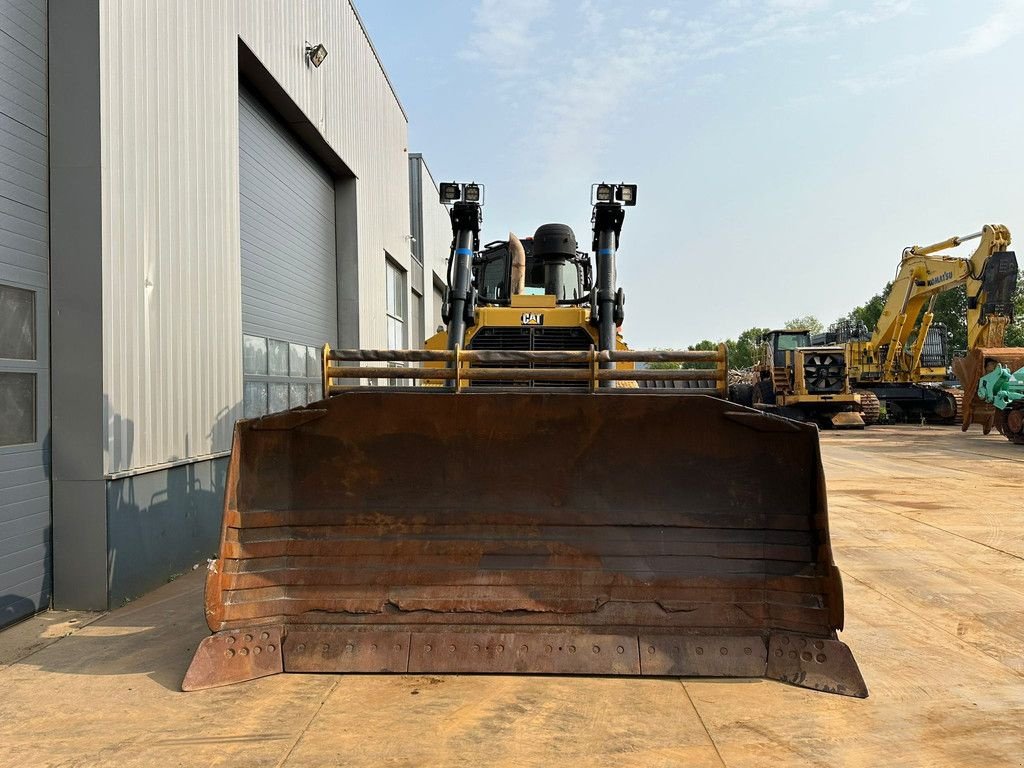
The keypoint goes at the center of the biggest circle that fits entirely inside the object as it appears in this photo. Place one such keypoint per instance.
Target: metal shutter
(25, 556)
(287, 217)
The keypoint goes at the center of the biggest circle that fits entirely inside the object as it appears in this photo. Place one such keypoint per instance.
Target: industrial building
(194, 198)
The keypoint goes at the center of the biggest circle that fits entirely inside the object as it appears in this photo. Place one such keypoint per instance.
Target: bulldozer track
(870, 408)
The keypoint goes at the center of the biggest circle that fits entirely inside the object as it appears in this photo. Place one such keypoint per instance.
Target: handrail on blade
(395, 366)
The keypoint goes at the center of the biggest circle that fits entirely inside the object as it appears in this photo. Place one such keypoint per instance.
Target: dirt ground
(928, 530)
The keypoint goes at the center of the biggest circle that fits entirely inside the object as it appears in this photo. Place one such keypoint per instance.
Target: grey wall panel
(25, 548)
(288, 236)
(162, 523)
(433, 232)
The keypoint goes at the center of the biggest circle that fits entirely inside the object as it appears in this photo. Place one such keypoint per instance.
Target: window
(395, 306)
(18, 407)
(794, 340)
(278, 375)
(17, 323)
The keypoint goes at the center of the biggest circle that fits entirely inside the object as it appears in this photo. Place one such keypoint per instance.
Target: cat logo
(532, 318)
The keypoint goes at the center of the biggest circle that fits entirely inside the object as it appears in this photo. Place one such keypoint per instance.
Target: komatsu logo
(532, 318)
(940, 278)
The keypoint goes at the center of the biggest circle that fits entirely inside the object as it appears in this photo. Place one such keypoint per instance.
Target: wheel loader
(518, 511)
(803, 381)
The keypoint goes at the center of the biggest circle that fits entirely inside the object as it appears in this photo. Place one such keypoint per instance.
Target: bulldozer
(803, 381)
(516, 509)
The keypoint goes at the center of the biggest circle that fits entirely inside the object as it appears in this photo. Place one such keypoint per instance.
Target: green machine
(1005, 391)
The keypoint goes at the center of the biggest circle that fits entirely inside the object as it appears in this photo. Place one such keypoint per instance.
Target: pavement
(927, 528)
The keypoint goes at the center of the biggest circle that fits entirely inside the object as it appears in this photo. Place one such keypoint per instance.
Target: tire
(765, 392)
(742, 394)
(1011, 423)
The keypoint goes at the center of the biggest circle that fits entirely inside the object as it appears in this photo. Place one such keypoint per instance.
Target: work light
(603, 193)
(626, 194)
(316, 54)
(471, 193)
(450, 192)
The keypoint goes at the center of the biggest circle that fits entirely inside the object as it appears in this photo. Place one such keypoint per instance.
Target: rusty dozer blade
(613, 533)
(969, 370)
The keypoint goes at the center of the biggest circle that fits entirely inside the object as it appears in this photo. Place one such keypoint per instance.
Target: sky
(786, 151)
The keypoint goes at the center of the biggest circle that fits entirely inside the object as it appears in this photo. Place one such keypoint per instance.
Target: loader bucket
(969, 370)
(622, 532)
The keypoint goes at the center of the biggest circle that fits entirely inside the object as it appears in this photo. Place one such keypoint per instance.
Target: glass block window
(278, 357)
(254, 355)
(254, 399)
(278, 375)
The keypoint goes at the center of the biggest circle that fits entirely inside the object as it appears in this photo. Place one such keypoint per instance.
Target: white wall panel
(171, 301)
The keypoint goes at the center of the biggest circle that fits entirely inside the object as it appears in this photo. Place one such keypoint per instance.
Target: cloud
(581, 67)
(505, 33)
(1005, 24)
(878, 12)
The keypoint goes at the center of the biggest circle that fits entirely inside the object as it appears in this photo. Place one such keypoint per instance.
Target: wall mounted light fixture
(315, 54)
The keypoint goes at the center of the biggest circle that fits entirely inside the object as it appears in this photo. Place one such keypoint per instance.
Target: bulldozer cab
(568, 280)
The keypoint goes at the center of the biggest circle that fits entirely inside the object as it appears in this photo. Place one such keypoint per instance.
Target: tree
(745, 351)
(1015, 333)
(808, 322)
(869, 312)
(661, 365)
(951, 310)
(705, 346)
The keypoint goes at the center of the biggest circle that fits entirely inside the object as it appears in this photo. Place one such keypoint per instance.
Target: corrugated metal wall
(172, 316)
(25, 578)
(289, 269)
(436, 243)
(171, 303)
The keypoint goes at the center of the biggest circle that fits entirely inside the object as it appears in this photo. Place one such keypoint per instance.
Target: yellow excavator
(888, 365)
(525, 514)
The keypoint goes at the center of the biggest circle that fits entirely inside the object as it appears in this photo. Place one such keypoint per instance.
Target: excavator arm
(990, 275)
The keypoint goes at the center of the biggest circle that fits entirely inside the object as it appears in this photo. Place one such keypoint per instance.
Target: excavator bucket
(969, 370)
(616, 532)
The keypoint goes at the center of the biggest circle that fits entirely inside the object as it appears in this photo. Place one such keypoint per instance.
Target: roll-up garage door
(289, 264)
(25, 558)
